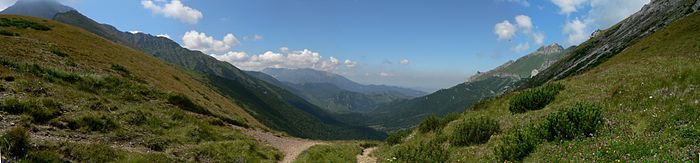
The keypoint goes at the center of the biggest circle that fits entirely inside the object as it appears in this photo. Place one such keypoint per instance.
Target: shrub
(38, 113)
(8, 33)
(474, 131)
(18, 142)
(581, 120)
(397, 137)
(121, 69)
(185, 103)
(516, 145)
(431, 151)
(45, 156)
(451, 117)
(534, 99)
(23, 24)
(432, 123)
(94, 123)
(59, 53)
(15, 106)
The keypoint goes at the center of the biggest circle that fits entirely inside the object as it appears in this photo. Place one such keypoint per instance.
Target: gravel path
(365, 158)
(290, 146)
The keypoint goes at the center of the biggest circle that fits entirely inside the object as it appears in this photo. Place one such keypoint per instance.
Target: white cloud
(385, 74)
(350, 64)
(6, 3)
(255, 37)
(163, 35)
(602, 14)
(200, 41)
(569, 6)
(575, 32)
(174, 9)
(522, 47)
(285, 58)
(605, 13)
(538, 37)
(505, 30)
(524, 22)
(135, 32)
(404, 62)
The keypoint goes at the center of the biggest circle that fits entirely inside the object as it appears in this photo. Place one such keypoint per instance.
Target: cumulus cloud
(385, 74)
(602, 14)
(284, 58)
(175, 9)
(505, 30)
(350, 64)
(255, 37)
(568, 6)
(163, 35)
(522, 47)
(135, 32)
(575, 31)
(524, 22)
(200, 41)
(404, 62)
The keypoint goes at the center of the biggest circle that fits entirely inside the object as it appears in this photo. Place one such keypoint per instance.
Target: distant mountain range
(334, 92)
(273, 106)
(407, 113)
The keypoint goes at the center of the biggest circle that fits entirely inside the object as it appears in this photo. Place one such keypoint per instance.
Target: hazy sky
(427, 44)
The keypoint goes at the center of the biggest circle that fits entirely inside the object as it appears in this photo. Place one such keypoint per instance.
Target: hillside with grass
(641, 104)
(69, 95)
(273, 106)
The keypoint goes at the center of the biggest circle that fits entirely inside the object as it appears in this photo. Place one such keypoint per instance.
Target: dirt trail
(365, 158)
(290, 146)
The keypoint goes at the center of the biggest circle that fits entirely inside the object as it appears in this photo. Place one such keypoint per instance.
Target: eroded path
(365, 158)
(290, 146)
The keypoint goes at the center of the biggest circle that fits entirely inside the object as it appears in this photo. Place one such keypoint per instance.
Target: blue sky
(411, 43)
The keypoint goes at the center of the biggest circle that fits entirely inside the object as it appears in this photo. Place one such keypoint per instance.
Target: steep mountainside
(303, 76)
(526, 66)
(324, 89)
(274, 107)
(647, 100)
(67, 95)
(504, 78)
(37, 8)
(405, 114)
(596, 50)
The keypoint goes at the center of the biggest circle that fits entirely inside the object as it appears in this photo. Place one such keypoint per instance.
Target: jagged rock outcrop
(596, 50)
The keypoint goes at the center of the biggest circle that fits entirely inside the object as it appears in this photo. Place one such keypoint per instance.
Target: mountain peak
(46, 9)
(549, 49)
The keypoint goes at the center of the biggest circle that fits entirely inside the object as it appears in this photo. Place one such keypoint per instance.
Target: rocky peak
(46, 9)
(549, 49)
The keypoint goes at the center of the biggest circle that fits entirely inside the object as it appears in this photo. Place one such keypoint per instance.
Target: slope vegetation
(69, 95)
(274, 107)
(641, 104)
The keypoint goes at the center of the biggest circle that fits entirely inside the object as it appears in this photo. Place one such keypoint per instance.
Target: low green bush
(8, 33)
(23, 24)
(397, 137)
(535, 98)
(516, 145)
(101, 123)
(16, 141)
(474, 131)
(39, 111)
(431, 151)
(184, 103)
(232, 151)
(432, 123)
(120, 69)
(581, 120)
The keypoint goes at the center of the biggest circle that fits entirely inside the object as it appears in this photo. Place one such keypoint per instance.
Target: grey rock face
(596, 50)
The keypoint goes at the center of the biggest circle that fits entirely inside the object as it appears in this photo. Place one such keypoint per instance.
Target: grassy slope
(136, 120)
(650, 105)
(274, 107)
(341, 151)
